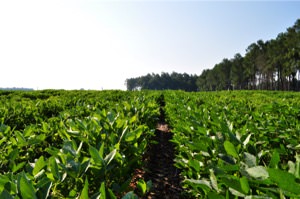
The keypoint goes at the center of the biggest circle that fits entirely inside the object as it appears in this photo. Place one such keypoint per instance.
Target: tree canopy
(267, 65)
(173, 81)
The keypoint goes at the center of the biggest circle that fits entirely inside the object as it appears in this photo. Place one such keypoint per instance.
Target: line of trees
(17, 89)
(173, 81)
(270, 65)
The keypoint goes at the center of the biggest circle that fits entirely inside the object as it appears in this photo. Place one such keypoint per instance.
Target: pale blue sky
(98, 44)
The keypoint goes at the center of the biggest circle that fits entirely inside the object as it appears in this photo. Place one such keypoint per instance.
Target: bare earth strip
(160, 168)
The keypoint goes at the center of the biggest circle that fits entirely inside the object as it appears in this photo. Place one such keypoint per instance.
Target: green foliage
(86, 144)
(236, 144)
(267, 65)
(73, 144)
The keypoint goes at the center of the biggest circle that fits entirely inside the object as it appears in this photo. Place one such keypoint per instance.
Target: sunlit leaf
(102, 191)
(194, 164)
(230, 149)
(213, 180)
(110, 156)
(95, 155)
(54, 168)
(111, 194)
(18, 166)
(258, 172)
(246, 141)
(40, 164)
(85, 191)
(285, 180)
(26, 187)
(142, 186)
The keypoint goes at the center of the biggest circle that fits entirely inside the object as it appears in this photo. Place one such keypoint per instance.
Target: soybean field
(149, 144)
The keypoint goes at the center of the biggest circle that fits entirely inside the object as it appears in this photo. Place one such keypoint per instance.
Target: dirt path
(159, 168)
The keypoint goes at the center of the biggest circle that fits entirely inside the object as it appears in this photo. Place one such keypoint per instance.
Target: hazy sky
(94, 44)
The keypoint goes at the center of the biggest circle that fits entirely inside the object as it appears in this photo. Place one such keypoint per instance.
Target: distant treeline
(17, 89)
(270, 65)
(173, 81)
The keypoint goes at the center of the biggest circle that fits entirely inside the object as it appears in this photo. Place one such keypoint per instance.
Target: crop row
(73, 144)
(237, 144)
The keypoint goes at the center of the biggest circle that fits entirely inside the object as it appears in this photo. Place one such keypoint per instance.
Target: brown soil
(159, 164)
(160, 167)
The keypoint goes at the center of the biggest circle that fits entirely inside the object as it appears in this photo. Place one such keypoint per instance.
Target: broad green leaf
(133, 135)
(110, 156)
(5, 129)
(142, 186)
(26, 187)
(244, 184)
(200, 182)
(130, 136)
(54, 168)
(258, 172)
(21, 140)
(285, 180)
(249, 159)
(230, 149)
(40, 164)
(233, 183)
(101, 150)
(18, 166)
(228, 167)
(52, 151)
(214, 195)
(50, 176)
(73, 193)
(3, 180)
(96, 155)
(194, 164)
(274, 160)
(133, 119)
(102, 191)
(36, 139)
(111, 194)
(13, 154)
(13, 141)
(85, 191)
(4, 139)
(227, 194)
